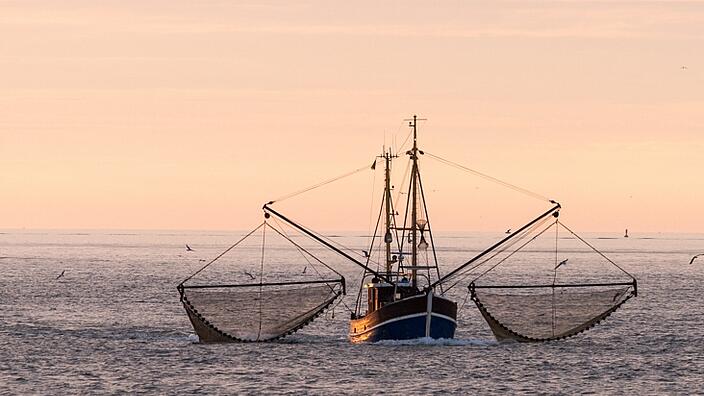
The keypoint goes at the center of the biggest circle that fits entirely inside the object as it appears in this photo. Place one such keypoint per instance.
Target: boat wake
(438, 342)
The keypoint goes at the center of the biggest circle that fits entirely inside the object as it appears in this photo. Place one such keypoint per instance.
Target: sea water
(113, 324)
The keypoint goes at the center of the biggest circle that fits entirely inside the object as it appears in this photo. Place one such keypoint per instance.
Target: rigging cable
(261, 275)
(371, 202)
(490, 178)
(301, 250)
(400, 148)
(595, 249)
(430, 234)
(519, 237)
(514, 252)
(466, 297)
(293, 194)
(554, 278)
(223, 253)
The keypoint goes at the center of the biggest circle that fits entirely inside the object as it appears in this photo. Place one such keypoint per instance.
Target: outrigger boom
(553, 211)
(267, 210)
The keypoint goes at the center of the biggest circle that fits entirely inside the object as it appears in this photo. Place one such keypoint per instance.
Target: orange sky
(175, 114)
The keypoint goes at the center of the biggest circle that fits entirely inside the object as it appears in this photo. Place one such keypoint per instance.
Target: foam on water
(427, 341)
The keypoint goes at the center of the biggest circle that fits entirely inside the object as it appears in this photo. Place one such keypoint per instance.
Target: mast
(414, 200)
(388, 221)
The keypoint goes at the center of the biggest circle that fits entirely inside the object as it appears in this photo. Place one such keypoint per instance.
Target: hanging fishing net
(546, 283)
(544, 313)
(262, 288)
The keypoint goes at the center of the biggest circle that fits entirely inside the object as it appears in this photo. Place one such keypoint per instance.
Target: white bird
(188, 248)
(366, 254)
(508, 231)
(61, 274)
(563, 262)
(693, 258)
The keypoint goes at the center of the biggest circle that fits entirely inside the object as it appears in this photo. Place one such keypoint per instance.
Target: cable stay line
(462, 275)
(503, 260)
(491, 178)
(596, 250)
(223, 253)
(304, 253)
(320, 184)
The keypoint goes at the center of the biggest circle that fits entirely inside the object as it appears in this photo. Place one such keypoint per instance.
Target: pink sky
(190, 115)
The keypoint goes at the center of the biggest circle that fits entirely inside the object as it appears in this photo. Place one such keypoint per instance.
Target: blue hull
(407, 329)
(406, 319)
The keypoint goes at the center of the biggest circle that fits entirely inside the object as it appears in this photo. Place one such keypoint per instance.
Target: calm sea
(113, 324)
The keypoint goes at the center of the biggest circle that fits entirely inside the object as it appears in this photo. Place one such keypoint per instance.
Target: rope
(293, 194)
(223, 253)
(400, 148)
(302, 250)
(261, 275)
(515, 251)
(554, 278)
(329, 240)
(596, 250)
(463, 302)
(490, 178)
(403, 181)
(371, 206)
(464, 274)
(430, 234)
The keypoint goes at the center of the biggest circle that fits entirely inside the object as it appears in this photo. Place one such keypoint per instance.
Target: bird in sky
(188, 248)
(563, 262)
(249, 275)
(683, 67)
(508, 231)
(694, 258)
(304, 269)
(61, 274)
(366, 254)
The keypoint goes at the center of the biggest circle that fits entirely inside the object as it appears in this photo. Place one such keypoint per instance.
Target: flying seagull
(693, 258)
(366, 254)
(563, 262)
(304, 269)
(64, 271)
(188, 248)
(683, 67)
(508, 231)
(249, 275)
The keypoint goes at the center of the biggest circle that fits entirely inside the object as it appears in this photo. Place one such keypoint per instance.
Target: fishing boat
(404, 294)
